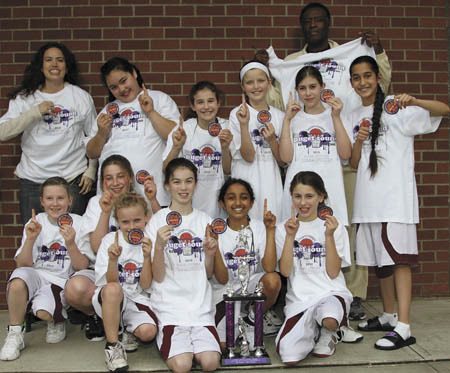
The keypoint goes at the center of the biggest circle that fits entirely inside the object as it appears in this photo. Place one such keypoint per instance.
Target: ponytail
(377, 111)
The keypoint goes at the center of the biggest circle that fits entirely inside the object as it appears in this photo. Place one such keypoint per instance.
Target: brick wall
(176, 43)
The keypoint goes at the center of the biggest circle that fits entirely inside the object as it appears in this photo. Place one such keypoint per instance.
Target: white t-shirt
(184, 297)
(391, 195)
(205, 152)
(129, 265)
(55, 144)
(314, 144)
(250, 242)
(134, 137)
(333, 64)
(50, 255)
(309, 282)
(263, 173)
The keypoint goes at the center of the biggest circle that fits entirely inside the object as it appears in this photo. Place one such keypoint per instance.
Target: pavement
(430, 354)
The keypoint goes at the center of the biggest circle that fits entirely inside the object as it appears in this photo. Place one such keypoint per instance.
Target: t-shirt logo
(309, 253)
(55, 253)
(328, 66)
(315, 138)
(128, 119)
(186, 246)
(207, 157)
(59, 115)
(129, 272)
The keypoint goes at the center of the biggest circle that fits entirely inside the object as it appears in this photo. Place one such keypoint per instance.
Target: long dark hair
(204, 84)
(306, 71)
(33, 77)
(231, 181)
(120, 64)
(311, 179)
(377, 111)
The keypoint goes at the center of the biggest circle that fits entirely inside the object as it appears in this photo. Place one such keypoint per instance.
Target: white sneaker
(274, 318)
(269, 327)
(56, 332)
(13, 343)
(326, 345)
(129, 342)
(348, 335)
(116, 358)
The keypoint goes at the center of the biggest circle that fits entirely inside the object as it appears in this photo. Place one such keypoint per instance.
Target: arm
(158, 265)
(114, 251)
(146, 277)
(102, 227)
(286, 146)
(31, 233)
(269, 261)
(343, 144)
(363, 135)
(210, 247)
(95, 145)
(436, 108)
(150, 193)
(225, 137)
(247, 149)
(287, 257)
(220, 270)
(79, 261)
(268, 132)
(178, 141)
(333, 261)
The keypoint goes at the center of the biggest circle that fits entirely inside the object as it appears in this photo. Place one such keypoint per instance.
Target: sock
(388, 318)
(15, 328)
(110, 344)
(403, 329)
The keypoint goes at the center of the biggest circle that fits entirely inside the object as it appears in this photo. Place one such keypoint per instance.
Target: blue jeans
(29, 198)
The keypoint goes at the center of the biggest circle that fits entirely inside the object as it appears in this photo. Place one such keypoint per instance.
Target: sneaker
(274, 318)
(116, 358)
(56, 332)
(129, 342)
(356, 310)
(347, 335)
(326, 345)
(93, 329)
(13, 343)
(268, 326)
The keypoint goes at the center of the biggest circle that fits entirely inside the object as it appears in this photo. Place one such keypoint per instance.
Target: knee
(78, 288)
(180, 364)
(112, 292)
(330, 323)
(146, 332)
(210, 362)
(17, 286)
(271, 283)
(44, 315)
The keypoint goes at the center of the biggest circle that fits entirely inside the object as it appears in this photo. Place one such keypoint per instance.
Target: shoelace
(117, 352)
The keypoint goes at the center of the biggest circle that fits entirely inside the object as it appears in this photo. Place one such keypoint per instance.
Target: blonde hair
(130, 199)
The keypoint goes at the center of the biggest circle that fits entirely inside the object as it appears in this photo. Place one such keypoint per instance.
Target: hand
(85, 184)
(146, 247)
(243, 114)
(336, 106)
(115, 250)
(210, 244)
(331, 225)
(292, 108)
(68, 234)
(269, 219)
(225, 138)
(371, 39)
(268, 132)
(179, 136)
(363, 134)
(150, 188)
(403, 100)
(33, 228)
(104, 123)
(46, 107)
(107, 202)
(163, 236)
(262, 56)
(146, 101)
(292, 224)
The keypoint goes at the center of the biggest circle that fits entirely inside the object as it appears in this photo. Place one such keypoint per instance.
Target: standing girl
(256, 127)
(205, 140)
(135, 123)
(312, 253)
(51, 250)
(314, 139)
(56, 118)
(386, 204)
(185, 257)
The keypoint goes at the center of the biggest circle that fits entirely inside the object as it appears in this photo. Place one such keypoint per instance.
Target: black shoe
(76, 317)
(93, 329)
(356, 310)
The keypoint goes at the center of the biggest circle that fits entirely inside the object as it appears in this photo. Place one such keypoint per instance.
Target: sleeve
(90, 218)
(417, 121)
(101, 262)
(91, 170)
(151, 231)
(280, 235)
(342, 245)
(14, 123)
(385, 71)
(82, 240)
(90, 120)
(166, 106)
(235, 129)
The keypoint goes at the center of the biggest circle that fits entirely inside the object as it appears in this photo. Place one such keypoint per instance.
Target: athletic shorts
(384, 244)
(89, 273)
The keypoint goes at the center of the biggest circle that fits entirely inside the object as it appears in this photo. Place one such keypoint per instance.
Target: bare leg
(78, 292)
(112, 297)
(180, 363)
(387, 290)
(271, 288)
(17, 299)
(403, 286)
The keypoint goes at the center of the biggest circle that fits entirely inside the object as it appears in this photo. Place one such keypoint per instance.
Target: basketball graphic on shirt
(58, 116)
(187, 246)
(391, 106)
(207, 158)
(128, 120)
(129, 273)
(57, 253)
(309, 252)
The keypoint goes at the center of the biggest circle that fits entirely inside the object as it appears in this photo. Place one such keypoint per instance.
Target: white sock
(15, 328)
(388, 318)
(403, 329)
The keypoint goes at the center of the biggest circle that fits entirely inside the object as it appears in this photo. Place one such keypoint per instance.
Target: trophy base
(246, 360)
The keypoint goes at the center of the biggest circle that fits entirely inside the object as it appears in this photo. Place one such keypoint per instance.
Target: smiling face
(116, 179)
(123, 85)
(206, 106)
(365, 82)
(54, 66)
(255, 85)
(55, 201)
(181, 187)
(237, 203)
(309, 92)
(306, 200)
(131, 217)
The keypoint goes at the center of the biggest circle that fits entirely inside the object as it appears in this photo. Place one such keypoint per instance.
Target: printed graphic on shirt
(59, 120)
(243, 250)
(262, 147)
(54, 256)
(315, 141)
(129, 272)
(188, 249)
(367, 122)
(128, 123)
(207, 159)
(329, 68)
(309, 253)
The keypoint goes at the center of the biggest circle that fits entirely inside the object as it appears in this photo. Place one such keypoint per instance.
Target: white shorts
(134, 314)
(384, 244)
(299, 333)
(89, 273)
(42, 294)
(174, 340)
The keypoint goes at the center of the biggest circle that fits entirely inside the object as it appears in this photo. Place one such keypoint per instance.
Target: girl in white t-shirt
(253, 239)
(256, 127)
(186, 255)
(57, 118)
(205, 140)
(314, 138)
(135, 123)
(386, 203)
(51, 250)
(312, 251)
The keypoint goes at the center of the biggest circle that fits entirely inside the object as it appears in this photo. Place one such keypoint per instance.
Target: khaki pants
(356, 276)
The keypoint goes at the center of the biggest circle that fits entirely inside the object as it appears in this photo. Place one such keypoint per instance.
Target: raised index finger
(144, 89)
(33, 214)
(116, 238)
(265, 206)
